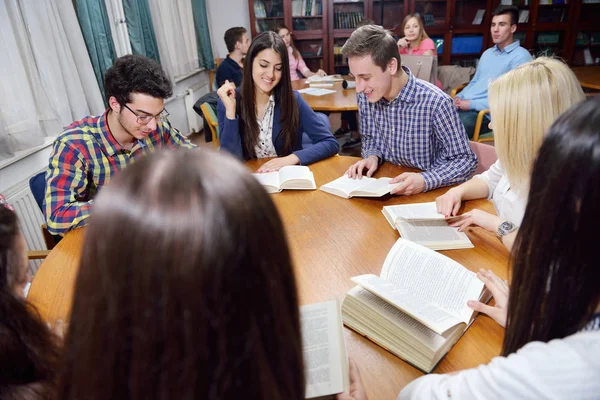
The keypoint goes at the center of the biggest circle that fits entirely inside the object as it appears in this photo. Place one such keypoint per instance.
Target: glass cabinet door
(268, 14)
(347, 14)
(432, 11)
(389, 14)
(307, 15)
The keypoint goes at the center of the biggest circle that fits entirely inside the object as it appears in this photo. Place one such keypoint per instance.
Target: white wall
(222, 15)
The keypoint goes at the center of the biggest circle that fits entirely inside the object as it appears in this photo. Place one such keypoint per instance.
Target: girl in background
(415, 40)
(297, 63)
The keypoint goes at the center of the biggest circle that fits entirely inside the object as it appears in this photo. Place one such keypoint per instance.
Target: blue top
(317, 129)
(493, 63)
(229, 70)
(419, 128)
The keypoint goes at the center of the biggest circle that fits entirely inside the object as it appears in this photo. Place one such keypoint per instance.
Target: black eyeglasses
(145, 119)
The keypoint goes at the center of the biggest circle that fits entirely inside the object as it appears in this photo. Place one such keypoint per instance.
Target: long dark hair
(29, 353)
(295, 52)
(554, 287)
(186, 288)
(289, 118)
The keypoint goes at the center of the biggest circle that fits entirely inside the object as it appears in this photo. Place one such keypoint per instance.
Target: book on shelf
(291, 177)
(422, 224)
(416, 309)
(324, 349)
(260, 10)
(366, 187)
(523, 16)
(296, 8)
(478, 17)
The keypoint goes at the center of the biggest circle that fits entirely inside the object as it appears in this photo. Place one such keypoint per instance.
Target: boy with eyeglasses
(90, 151)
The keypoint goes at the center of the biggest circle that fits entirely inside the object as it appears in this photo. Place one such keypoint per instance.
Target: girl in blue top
(265, 117)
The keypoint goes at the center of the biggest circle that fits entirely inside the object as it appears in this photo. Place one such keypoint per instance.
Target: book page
(377, 187)
(414, 212)
(345, 185)
(328, 78)
(433, 234)
(270, 179)
(323, 348)
(296, 177)
(432, 278)
(429, 315)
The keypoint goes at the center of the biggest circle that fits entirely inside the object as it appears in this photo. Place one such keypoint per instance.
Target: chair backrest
(423, 67)
(37, 184)
(213, 123)
(486, 156)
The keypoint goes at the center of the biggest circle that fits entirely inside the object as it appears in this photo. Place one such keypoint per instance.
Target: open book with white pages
(422, 224)
(294, 177)
(416, 308)
(325, 359)
(365, 187)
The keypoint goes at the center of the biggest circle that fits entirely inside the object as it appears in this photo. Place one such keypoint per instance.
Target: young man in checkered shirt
(87, 154)
(404, 120)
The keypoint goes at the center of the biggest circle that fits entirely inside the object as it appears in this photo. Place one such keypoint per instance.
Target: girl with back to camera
(265, 117)
(177, 296)
(29, 351)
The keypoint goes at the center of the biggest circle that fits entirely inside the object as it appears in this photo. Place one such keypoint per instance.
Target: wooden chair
(212, 73)
(485, 137)
(213, 124)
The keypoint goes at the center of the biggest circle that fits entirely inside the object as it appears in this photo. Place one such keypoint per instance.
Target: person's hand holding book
(500, 292)
(357, 390)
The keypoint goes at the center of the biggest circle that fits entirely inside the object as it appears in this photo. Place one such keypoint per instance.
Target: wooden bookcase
(570, 30)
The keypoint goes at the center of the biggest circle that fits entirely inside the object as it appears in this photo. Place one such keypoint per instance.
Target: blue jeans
(469, 118)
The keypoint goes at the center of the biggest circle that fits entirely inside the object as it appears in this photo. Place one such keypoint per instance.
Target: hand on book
(357, 390)
(476, 217)
(370, 164)
(500, 292)
(410, 183)
(320, 72)
(448, 204)
(276, 164)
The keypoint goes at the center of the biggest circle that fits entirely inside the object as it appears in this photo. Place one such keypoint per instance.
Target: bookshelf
(460, 28)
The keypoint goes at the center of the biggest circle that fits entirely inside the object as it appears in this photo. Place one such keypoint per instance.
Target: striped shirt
(420, 128)
(83, 159)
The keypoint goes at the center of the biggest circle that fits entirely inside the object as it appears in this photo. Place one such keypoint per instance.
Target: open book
(297, 177)
(366, 187)
(422, 224)
(417, 308)
(326, 363)
(324, 79)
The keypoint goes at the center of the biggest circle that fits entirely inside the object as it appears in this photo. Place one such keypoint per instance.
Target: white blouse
(508, 203)
(566, 368)
(265, 148)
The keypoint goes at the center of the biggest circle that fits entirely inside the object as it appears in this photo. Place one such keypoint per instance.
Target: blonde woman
(524, 103)
(415, 40)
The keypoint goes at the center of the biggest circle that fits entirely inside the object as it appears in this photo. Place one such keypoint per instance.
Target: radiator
(192, 95)
(30, 218)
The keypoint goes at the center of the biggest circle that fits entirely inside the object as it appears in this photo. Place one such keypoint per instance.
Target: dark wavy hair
(185, 289)
(29, 352)
(284, 96)
(136, 74)
(554, 289)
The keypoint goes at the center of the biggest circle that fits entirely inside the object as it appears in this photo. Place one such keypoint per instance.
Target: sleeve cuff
(432, 180)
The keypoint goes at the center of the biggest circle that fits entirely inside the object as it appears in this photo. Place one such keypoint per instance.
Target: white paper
(315, 91)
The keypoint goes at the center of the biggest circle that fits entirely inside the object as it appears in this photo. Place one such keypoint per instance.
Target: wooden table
(589, 77)
(331, 240)
(341, 100)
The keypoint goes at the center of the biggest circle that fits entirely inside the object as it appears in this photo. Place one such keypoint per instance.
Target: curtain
(120, 33)
(175, 34)
(205, 54)
(51, 82)
(95, 26)
(141, 31)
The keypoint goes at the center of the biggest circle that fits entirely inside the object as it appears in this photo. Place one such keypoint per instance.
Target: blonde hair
(524, 102)
(422, 34)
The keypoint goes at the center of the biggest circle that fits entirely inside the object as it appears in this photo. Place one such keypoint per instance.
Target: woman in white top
(523, 103)
(551, 347)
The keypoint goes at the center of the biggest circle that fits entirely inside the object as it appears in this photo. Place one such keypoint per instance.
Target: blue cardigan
(317, 129)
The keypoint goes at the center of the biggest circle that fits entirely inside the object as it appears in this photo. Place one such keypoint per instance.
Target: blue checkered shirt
(420, 128)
